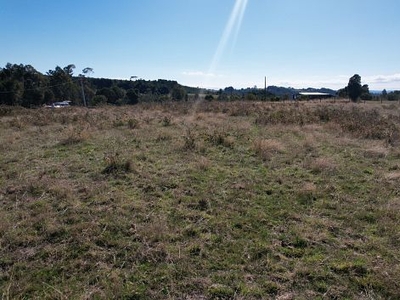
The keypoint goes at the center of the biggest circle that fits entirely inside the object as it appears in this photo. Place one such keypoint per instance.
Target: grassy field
(239, 200)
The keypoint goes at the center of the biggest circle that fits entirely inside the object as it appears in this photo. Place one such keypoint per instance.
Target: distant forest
(23, 85)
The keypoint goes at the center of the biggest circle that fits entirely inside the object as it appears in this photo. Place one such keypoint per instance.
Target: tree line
(23, 85)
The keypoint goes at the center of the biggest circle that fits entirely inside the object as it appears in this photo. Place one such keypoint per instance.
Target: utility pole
(265, 88)
(84, 71)
(83, 92)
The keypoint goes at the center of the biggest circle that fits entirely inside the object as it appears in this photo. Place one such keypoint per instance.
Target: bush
(98, 100)
(209, 97)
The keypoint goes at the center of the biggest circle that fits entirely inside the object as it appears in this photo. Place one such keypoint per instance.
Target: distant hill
(282, 91)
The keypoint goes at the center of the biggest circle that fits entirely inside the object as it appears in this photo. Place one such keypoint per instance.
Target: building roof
(314, 94)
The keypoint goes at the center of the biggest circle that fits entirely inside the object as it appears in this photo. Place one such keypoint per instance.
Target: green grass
(238, 200)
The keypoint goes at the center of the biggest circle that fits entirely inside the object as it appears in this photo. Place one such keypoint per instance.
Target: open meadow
(214, 200)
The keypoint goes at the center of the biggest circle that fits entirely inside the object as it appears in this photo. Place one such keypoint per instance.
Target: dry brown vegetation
(216, 200)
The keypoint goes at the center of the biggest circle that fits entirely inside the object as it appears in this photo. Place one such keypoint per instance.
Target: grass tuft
(74, 135)
(116, 165)
(189, 139)
(267, 148)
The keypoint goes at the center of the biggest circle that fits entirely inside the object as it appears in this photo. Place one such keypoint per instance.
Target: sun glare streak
(234, 22)
(239, 22)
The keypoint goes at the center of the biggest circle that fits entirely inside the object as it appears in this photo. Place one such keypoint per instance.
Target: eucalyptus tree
(62, 84)
(85, 72)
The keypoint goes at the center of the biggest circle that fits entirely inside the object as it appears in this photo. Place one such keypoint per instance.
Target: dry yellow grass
(323, 165)
(267, 148)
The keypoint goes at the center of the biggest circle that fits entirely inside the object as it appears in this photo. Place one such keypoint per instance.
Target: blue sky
(210, 43)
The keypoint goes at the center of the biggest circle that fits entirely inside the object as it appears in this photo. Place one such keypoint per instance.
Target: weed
(116, 165)
(166, 121)
(133, 123)
(220, 138)
(220, 291)
(189, 139)
(162, 137)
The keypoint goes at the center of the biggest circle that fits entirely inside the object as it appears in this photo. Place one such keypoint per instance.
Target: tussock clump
(18, 122)
(306, 195)
(266, 148)
(393, 136)
(166, 121)
(162, 137)
(395, 175)
(153, 231)
(376, 152)
(116, 165)
(189, 140)
(322, 165)
(203, 163)
(220, 291)
(220, 138)
(133, 123)
(309, 143)
(74, 135)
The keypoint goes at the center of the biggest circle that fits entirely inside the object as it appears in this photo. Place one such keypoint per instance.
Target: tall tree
(62, 84)
(354, 87)
(86, 72)
(384, 94)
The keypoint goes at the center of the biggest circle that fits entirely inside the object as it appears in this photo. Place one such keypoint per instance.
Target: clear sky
(210, 43)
